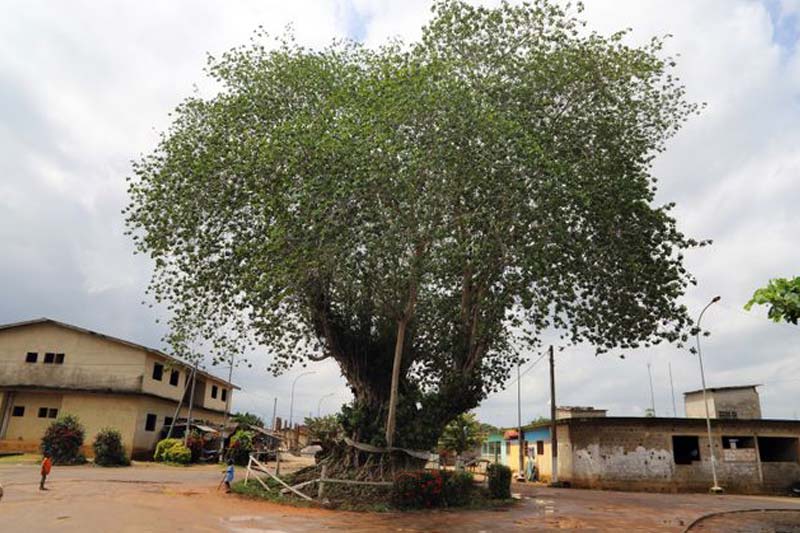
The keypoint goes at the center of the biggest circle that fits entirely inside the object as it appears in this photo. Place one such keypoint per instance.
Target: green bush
(108, 449)
(172, 451)
(62, 441)
(458, 487)
(240, 447)
(417, 489)
(499, 481)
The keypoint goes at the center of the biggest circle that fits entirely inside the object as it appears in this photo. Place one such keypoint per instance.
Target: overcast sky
(86, 86)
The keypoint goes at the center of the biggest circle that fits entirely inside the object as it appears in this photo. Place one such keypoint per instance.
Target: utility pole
(291, 400)
(553, 436)
(274, 411)
(520, 437)
(180, 404)
(191, 402)
(227, 410)
(652, 396)
(672, 387)
(715, 488)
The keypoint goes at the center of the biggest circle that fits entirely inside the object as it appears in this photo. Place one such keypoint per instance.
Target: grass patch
(23, 459)
(354, 498)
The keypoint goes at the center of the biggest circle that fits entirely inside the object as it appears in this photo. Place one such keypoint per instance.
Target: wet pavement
(152, 498)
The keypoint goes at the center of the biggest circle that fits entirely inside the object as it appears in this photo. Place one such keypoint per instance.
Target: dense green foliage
(472, 189)
(499, 481)
(240, 446)
(783, 297)
(248, 418)
(63, 440)
(325, 430)
(461, 434)
(108, 448)
(172, 451)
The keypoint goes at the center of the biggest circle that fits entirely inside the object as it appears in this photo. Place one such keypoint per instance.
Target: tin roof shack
(724, 402)
(672, 454)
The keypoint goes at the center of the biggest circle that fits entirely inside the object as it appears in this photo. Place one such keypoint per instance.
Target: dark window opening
(158, 371)
(167, 421)
(43, 412)
(150, 424)
(778, 449)
(727, 414)
(213, 391)
(49, 357)
(52, 413)
(539, 447)
(18, 410)
(685, 449)
(738, 443)
(174, 377)
(31, 357)
(59, 358)
(224, 395)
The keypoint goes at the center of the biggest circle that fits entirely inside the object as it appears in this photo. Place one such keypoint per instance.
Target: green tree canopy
(783, 297)
(248, 418)
(445, 200)
(461, 434)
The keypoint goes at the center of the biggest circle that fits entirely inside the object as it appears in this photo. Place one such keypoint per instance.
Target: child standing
(47, 464)
(229, 476)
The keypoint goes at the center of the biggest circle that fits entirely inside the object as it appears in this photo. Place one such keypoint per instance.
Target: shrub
(196, 442)
(108, 449)
(415, 489)
(172, 451)
(499, 481)
(458, 488)
(62, 441)
(241, 445)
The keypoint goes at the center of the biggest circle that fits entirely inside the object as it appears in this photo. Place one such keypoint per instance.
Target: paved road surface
(152, 498)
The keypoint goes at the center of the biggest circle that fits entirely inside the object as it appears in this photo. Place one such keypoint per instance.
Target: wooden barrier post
(321, 491)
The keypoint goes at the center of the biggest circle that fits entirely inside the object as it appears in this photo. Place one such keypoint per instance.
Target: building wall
(640, 456)
(744, 402)
(163, 387)
(90, 362)
(126, 413)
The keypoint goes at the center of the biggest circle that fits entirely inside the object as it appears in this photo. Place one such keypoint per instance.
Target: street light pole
(716, 487)
(291, 401)
(319, 403)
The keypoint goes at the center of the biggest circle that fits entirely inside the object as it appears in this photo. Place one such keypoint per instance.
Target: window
(52, 413)
(31, 357)
(168, 421)
(539, 447)
(18, 410)
(738, 443)
(158, 371)
(174, 377)
(778, 449)
(213, 391)
(685, 449)
(224, 395)
(150, 423)
(727, 414)
(59, 358)
(43, 412)
(49, 358)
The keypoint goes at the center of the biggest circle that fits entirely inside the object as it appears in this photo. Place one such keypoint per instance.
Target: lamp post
(716, 488)
(319, 403)
(291, 401)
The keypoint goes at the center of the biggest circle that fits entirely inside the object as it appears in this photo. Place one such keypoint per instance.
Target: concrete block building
(49, 368)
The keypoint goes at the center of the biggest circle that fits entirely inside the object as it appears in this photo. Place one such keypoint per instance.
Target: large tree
(429, 207)
(782, 295)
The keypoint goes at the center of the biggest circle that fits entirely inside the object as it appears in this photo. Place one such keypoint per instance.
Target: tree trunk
(398, 356)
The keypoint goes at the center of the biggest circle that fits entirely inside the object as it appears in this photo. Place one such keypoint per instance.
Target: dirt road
(149, 498)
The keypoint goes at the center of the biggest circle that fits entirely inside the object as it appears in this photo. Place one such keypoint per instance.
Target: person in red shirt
(47, 464)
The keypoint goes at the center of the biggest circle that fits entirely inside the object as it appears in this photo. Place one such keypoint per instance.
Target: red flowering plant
(63, 440)
(418, 489)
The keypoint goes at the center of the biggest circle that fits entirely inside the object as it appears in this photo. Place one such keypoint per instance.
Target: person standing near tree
(47, 464)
